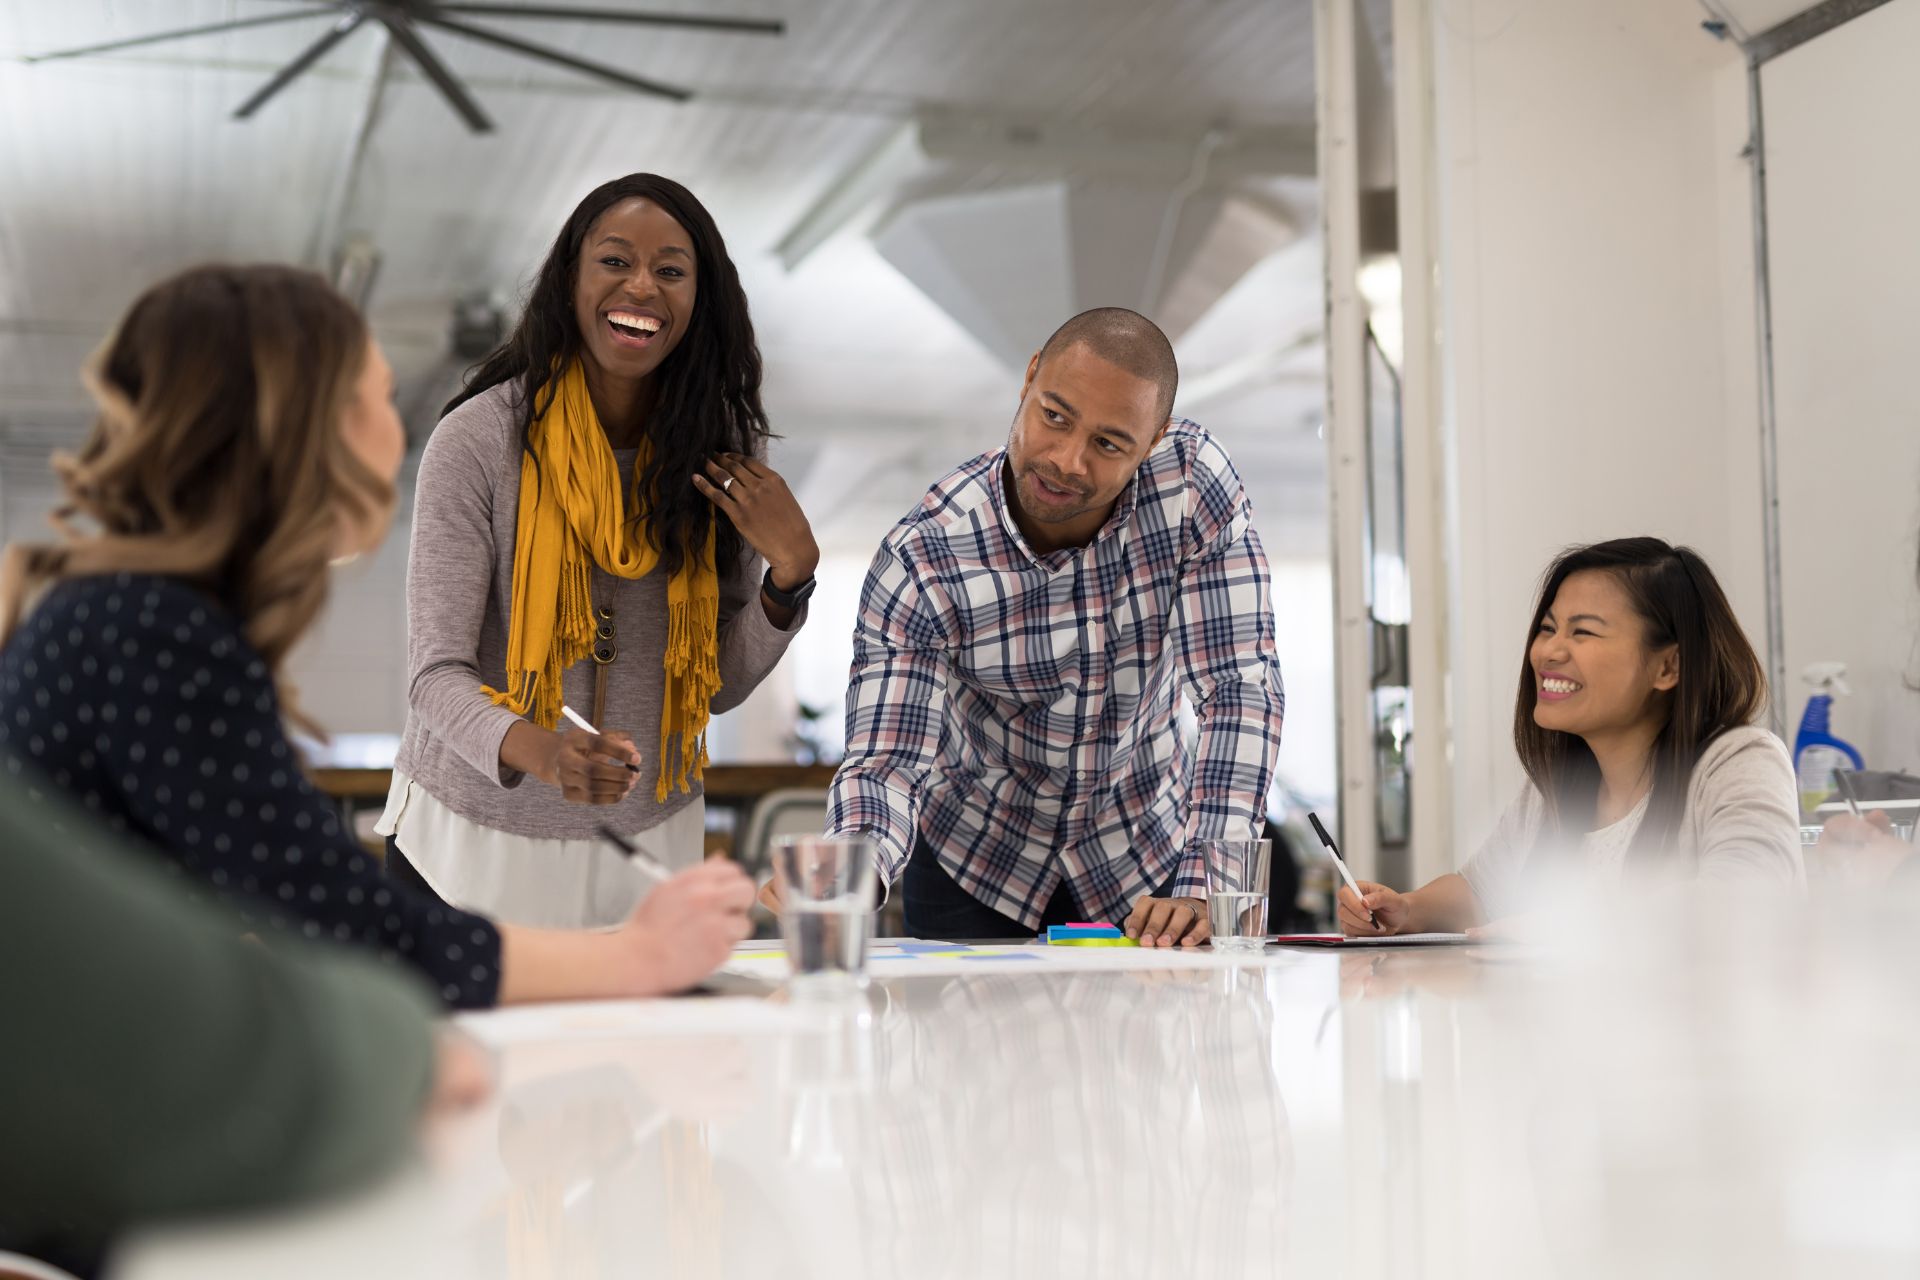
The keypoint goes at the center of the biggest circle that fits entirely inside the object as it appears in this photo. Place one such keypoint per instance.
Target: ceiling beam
(856, 195)
(1814, 21)
(1047, 147)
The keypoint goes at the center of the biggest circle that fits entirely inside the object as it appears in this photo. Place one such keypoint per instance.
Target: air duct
(1009, 265)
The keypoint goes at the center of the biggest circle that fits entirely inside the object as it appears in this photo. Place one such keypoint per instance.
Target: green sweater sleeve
(157, 1063)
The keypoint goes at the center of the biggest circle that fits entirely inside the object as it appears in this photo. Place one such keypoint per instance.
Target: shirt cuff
(1191, 882)
(880, 877)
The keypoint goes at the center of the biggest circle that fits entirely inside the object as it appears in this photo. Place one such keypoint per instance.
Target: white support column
(1429, 490)
(1336, 60)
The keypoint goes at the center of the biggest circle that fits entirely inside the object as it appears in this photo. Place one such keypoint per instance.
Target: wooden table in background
(726, 783)
(729, 786)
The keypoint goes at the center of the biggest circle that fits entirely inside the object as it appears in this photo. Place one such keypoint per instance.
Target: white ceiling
(119, 168)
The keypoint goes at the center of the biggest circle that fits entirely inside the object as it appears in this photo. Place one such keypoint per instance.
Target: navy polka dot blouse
(141, 698)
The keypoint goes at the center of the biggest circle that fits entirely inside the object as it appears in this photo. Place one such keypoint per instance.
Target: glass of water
(1237, 874)
(826, 908)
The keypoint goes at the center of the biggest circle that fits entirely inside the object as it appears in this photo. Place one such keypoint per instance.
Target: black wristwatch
(788, 599)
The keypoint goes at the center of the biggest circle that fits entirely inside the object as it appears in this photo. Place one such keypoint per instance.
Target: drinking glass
(1237, 873)
(826, 913)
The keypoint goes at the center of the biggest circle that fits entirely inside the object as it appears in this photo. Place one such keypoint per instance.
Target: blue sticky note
(1080, 932)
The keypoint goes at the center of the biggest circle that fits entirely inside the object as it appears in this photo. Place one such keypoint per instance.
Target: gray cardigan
(1741, 824)
(459, 583)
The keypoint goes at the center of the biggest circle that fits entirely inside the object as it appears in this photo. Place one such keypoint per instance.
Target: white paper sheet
(623, 1019)
(1391, 940)
(947, 960)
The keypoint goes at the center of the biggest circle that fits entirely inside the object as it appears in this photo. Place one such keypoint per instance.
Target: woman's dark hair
(1722, 684)
(707, 400)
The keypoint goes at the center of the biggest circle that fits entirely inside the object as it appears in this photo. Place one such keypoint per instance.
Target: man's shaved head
(1125, 339)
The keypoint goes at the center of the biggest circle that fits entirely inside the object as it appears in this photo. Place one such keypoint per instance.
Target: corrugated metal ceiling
(117, 169)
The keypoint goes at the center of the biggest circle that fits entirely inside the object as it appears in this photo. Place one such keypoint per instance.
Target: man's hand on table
(1161, 922)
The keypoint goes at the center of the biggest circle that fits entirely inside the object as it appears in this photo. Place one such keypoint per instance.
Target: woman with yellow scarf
(593, 529)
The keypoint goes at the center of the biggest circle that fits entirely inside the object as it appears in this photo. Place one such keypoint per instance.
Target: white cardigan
(1741, 824)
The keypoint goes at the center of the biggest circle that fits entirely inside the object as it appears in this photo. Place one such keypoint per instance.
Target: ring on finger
(726, 484)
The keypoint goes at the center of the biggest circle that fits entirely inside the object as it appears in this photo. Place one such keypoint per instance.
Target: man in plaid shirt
(1014, 745)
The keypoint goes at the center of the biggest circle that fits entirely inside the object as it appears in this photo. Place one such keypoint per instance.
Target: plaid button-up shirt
(1021, 711)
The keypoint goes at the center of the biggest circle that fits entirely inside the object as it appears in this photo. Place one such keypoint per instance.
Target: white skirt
(525, 880)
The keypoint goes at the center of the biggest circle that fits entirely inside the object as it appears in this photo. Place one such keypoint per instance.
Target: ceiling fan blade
(429, 62)
(293, 70)
(211, 29)
(567, 13)
(559, 59)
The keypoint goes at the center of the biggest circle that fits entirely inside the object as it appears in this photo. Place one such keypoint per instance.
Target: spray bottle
(1816, 752)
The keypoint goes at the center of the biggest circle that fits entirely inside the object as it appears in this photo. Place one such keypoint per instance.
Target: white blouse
(1603, 853)
(525, 880)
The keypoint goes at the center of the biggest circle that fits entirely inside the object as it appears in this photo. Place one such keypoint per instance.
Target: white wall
(1596, 328)
(351, 669)
(1842, 188)
(1303, 605)
(350, 672)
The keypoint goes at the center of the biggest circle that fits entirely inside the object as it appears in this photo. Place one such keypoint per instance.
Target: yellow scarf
(572, 513)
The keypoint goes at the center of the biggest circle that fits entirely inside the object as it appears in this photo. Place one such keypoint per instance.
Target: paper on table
(620, 1019)
(951, 961)
(943, 960)
(1391, 940)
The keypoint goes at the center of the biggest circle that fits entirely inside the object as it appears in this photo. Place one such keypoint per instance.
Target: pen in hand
(1845, 784)
(1333, 851)
(580, 721)
(634, 855)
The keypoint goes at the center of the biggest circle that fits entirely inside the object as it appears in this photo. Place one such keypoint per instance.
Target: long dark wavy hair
(1722, 685)
(707, 398)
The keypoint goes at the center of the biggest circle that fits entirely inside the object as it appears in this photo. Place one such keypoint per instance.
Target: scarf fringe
(693, 677)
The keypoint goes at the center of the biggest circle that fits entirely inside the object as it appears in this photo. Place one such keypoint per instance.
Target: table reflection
(1648, 1110)
(1080, 1123)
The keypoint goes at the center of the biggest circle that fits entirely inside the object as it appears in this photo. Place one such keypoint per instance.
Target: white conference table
(1433, 1112)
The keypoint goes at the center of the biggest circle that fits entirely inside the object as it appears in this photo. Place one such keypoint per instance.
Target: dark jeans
(935, 907)
(404, 874)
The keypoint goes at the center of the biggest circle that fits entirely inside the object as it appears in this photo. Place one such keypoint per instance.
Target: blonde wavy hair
(218, 455)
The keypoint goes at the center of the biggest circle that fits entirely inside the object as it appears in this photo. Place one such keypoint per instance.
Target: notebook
(1392, 940)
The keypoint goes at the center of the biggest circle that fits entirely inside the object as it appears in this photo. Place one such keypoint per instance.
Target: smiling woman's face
(634, 289)
(1592, 669)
